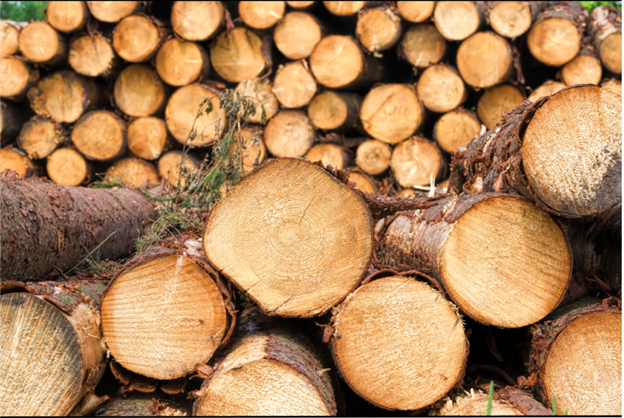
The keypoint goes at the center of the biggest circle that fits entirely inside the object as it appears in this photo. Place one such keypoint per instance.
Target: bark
(606, 21)
(47, 227)
(141, 405)
(508, 401)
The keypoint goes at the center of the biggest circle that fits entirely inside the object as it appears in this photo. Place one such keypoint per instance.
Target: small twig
(94, 250)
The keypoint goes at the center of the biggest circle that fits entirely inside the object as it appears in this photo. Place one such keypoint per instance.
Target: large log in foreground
(52, 349)
(501, 259)
(45, 226)
(297, 222)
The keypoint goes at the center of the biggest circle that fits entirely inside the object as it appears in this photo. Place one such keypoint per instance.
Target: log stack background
(408, 98)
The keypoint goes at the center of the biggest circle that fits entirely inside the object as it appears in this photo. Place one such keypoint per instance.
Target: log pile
(416, 179)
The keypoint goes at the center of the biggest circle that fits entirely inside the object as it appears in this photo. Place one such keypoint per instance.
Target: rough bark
(141, 405)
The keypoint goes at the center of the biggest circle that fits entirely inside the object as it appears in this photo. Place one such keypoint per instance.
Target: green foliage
(23, 11)
(490, 394)
(106, 184)
(171, 222)
(591, 5)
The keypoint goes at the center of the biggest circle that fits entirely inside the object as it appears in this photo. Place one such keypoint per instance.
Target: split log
(587, 330)
(378, 29)
(282, 223)
(67, 167)
(457, 20)
(485, 60)
(555, 37)
(455, 129)
(508, 401)
(335, 110)
(139, 91)
(16, 160)
(391, 113)
(253, 149)
(270, 369)
(41, 44)
(373, 157)
(289, 134)
(329, 154)
(504, 243)
(297, 34)
(141, 405)
(339, 62)
(261, 14)
(12, 119)
(174, 163)
(413, 340)
(197, 21)
(585, 68)
(148, 137)
(422, 45)
(137, 38)
(132, 172)
(93, 56)
(293, 85)
(179, 63)
(64, 96)
(18, 76)
(39, 137)
(361, 182)
(240, 55)
(496, 101)
(416, 161)
(549, 87)
(581, 157)
(67, 16)
(416, 11)
(512, 19)
(605, 30)
(613, 85)
(441, 89)
(9, 34)
(52, 345)
(85, 218)
(260, 94)
(345, 8)
(187, 119)
(100, 135)
(165, 337)
(114, 11)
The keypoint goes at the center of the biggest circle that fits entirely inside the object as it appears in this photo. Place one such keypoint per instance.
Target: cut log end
(17, 76)
(333, 110)
(181, 62)
(378, 29)
(554, 41)
(344, 8)
(238, 55)
(584, 69)
(416, 11)
(456, 20)
(511, 18)
(100, 135)
(546, 89)
(112, 12)
(294, 85)
(329, 154)
(373, 157)
(611, 52)
(415, 161)
(40, 43)
(92, 56)
(441, 89)
(456, 129)
(612, 85)
(423, 45)
(337, 61)
(484, 60)
(289, 134)
(197, 21)
(139, 91)
(260, 94)
(67, 167)
(39, 137)
(132, 172)
(17, 161)
(297, 35)
(8, 39)
(136, 38)
(253, 149)
(497, 101)
(67, 16)
(174, 163)
(261, 14)
(361, 182)
(148, 137)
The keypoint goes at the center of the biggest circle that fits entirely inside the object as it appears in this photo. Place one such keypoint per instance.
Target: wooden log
(267, 357)
(179, 63)
(300, 4)
(391, 113)
(67, 16)
(457, 21)
(85, 218)
(416, 12)
(49, 365)
(507, 401)
(253, 148)
(496, 101)
(373, 157)
(137, 38)
(485, 60)
(379, 28)
(18, 76)
(570, 169)
(555, 37)
(187, 117)
(64, 96)
(141, 405)
(512, 19)
(339, 62)
(549, 87)
(260, 94)
(422, 45)
(587, 330)
(261, 14)
(329, 154)
(294, 86)
(148, 137)
(9, 34)
(605, 30)
(297, 34)
(114, 11)
(174, 165)
(441, 89)
(416, 161)
(361, 182)
(16, 160)
(289, 134)
(284, 225)
(585, 68)
(132, 172)
(489, 239)
(166, 337)
(414, 338)
(12, 119)
(455, 129)
(335, 110)
(100, 135)
(197, 21)
(345, 8)
(67, 167)
(240, 55)
(39, 137)
(40, 43)
(139, 91)
(613, 85)
(93, 56)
